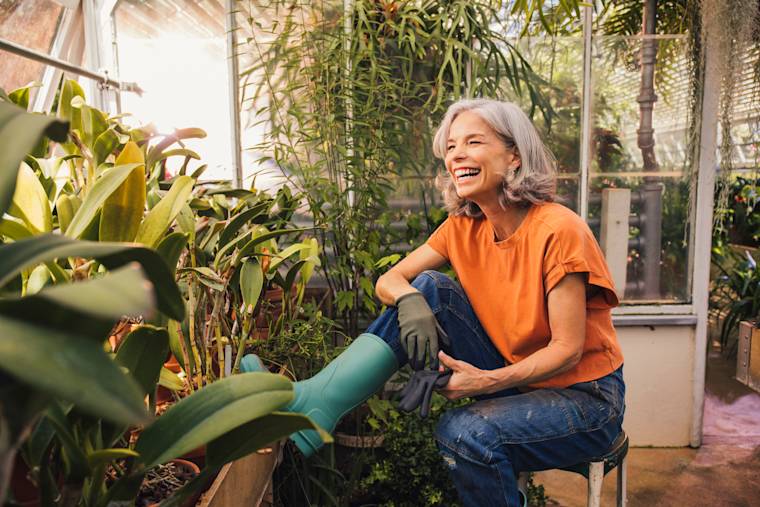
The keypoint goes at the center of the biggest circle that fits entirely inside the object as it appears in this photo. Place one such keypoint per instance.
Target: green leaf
(66, 207)
(211, 412)
(171, 247)
(14, 228)
(248, 248)
(69, 90)
(279, 257)
(143, 353)
(241, 219)
(72, 368)
(18, 255)
(160, 218)
(87, 309)
(105, 144)
(251, 283)
(123, 210)
(105, 456)
(170, 380)
(30, 202)
(38, 278)
(20, 97)
(19, 132)
(94, 124)
(312, 256)
(104, 186)
(254, 435)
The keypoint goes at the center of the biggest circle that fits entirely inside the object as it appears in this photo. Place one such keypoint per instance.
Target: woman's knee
(430, 283)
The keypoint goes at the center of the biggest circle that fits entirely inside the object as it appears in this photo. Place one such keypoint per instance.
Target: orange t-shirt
(507, 283)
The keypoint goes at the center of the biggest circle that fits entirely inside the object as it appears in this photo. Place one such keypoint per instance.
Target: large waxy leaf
(240, 442)
(211, 412)
(94, 122)
(28, 252)
(252, 436)
(69, 90)
(171, 247)
(104, 145)
(19, 132)
(30, 202)
(66, 207)
(160, 218)
(72, 368)
(251, 283)
(14, 228)
(87, 309)
(105, 185)
(143, 353)
(123, 210)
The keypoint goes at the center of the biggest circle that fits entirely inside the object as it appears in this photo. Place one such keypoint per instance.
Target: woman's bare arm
(395, 283)
(567, 320)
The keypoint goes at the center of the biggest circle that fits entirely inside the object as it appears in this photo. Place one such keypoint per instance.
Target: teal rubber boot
(352, 377)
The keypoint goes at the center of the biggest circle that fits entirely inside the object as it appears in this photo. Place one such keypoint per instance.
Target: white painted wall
(658, 371)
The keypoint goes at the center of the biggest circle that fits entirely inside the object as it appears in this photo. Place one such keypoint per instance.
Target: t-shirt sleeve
(439, 239)
(572, 248)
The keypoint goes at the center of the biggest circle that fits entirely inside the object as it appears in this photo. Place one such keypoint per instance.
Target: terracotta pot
(197, 456)
(193, 469)
(23, 490)
(172, 364)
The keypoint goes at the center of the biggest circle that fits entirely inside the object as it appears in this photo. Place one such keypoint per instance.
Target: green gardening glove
(419, 330)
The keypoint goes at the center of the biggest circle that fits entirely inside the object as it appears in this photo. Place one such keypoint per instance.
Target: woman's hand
(466, 380)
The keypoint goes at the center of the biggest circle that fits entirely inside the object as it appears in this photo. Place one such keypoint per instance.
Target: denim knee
(436, 286)
(467, 434)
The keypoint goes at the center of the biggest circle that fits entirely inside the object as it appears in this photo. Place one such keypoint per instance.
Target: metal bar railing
(16, 49)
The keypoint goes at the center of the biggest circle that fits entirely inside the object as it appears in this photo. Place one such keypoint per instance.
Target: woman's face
(477, 159)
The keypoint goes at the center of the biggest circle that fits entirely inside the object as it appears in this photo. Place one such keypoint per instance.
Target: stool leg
(522, 481)
(595, 478)
(622, 492)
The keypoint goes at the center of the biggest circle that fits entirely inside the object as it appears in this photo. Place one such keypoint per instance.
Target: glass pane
(32, 24)
(557, 66)
(176, 52)
(658, 252)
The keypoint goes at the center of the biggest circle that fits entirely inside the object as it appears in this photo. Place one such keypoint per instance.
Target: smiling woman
(506, 149)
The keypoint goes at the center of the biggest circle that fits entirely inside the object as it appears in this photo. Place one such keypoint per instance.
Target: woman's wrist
(497, 380)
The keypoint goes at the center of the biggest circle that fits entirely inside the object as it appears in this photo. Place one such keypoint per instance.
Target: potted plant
(72, 425)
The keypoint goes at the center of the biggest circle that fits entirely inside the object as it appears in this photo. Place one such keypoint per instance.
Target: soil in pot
(162, 481)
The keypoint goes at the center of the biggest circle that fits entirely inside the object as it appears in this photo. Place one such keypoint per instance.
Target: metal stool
(595, 469)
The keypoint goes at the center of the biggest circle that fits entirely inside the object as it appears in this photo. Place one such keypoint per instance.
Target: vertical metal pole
(115, 52)
(93, 46)
(586, 122)
(234, 93)
(44, 96)
(652, 189)
(708, 163)
(348, 8)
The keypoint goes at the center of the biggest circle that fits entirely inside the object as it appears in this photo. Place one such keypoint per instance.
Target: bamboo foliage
(347, 112)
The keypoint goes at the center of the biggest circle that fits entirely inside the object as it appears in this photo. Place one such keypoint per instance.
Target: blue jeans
(486, 445)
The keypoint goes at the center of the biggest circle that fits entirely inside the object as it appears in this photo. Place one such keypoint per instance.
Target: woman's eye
(474, 142)
(449, 147)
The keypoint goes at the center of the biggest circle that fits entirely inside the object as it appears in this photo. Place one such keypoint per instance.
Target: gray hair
(533, 182)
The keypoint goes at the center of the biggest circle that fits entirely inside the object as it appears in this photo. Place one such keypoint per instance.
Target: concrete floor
(724, 472)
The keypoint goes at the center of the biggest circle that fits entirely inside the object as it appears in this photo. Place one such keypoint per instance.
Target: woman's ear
(516, 161)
